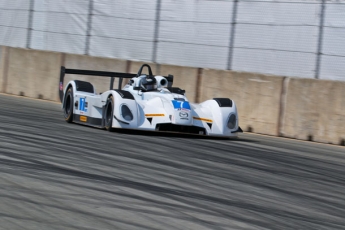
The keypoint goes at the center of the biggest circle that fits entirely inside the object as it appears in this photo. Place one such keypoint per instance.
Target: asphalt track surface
(55, 175)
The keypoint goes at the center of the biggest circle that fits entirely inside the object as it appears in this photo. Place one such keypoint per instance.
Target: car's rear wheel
(68, 105)
(109, 113)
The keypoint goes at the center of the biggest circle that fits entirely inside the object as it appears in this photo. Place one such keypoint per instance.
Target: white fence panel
(123, 29)
(14, 37)
(193, 55)
(332, 68)
(62, 6)
(60, 25)
(195, 33)
(275, 62)
(278, 38)
(15, 4)
(304, 12)
(121, 48)
(333, 45)
(14, 16)
(67, 43)
(334, 41)
(139, 9)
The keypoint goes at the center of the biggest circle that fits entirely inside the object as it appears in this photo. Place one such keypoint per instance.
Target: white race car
(147, 102)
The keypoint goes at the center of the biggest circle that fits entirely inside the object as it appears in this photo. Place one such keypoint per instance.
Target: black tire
(109, 114)
(68, 105)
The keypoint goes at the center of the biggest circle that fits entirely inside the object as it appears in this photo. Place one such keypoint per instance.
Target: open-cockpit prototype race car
(147, 102)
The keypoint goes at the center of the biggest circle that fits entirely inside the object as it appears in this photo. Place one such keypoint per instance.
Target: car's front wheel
(109, 113)
(68, 105)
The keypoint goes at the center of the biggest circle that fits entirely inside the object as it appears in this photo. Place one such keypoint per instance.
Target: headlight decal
(232, 121)
(126, 113)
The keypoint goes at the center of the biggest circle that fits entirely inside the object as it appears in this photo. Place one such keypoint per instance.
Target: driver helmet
(149, 83)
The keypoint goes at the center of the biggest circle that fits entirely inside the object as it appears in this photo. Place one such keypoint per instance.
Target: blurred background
(303, 38)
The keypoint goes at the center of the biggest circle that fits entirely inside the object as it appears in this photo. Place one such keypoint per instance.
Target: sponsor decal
(155, 115)
(83, 118)
(203, 119)
(183, 114)
(61, 86)
(181, 105)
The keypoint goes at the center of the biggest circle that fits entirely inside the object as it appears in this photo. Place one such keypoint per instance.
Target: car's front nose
(182, 114)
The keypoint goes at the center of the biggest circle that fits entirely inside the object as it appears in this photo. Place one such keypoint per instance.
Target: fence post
(232, 34)
(320, 40)
(89, 27)
(30, 24)
(156, 34)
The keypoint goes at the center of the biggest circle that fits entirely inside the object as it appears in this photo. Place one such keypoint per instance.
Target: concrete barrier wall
(36, 73)
(257, 97)
(315, 110)
(184, 77)
(33, 73)
(305, 109)
(2, 64)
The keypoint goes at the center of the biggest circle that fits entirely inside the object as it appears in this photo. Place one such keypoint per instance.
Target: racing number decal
(181, 105)
(82, 108)
(82, 104)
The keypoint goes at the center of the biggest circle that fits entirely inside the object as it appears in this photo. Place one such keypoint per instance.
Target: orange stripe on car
(203, 119)
(155, 115)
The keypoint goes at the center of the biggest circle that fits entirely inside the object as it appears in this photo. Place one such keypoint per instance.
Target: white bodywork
(153, 110)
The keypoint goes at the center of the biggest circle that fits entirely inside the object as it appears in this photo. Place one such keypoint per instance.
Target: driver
(148, 83)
